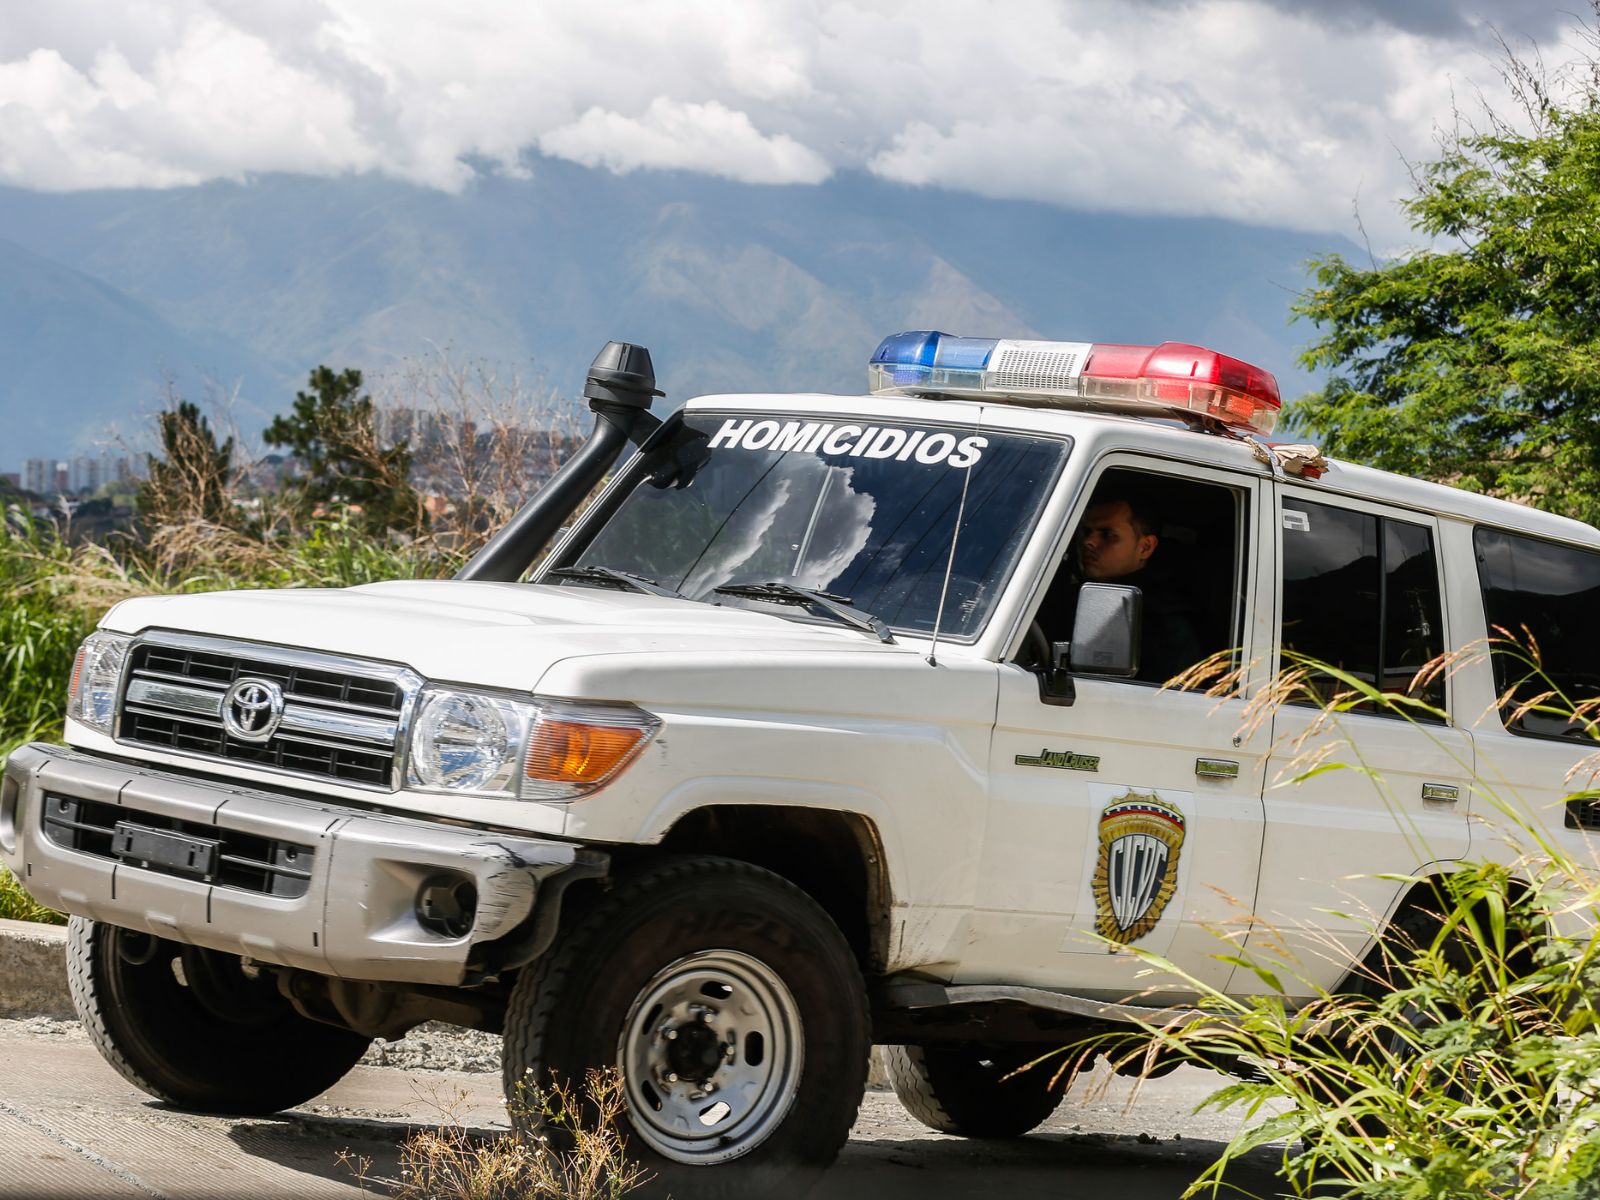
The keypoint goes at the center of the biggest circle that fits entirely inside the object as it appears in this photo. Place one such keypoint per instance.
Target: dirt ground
(73, 1128)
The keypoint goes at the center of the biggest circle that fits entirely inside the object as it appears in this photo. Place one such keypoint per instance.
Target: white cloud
(217, 102)
(1261, 110)
(687, 137)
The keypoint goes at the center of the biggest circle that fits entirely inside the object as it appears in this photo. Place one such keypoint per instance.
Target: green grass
(53, 594)
(17, 905)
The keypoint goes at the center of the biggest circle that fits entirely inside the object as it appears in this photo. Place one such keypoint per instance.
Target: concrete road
(71, 1127)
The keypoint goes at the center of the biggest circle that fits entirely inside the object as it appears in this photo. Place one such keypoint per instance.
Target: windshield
(855, 510)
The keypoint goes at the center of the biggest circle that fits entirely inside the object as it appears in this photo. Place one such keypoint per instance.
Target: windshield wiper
(834, 606)
(627, 580)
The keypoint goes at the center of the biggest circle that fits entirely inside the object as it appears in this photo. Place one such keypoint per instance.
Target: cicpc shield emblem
(1137, 871)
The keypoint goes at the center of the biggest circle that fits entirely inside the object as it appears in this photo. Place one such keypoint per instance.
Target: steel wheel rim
(711, 1054)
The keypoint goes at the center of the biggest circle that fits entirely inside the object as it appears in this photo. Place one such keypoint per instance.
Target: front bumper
(279, 878)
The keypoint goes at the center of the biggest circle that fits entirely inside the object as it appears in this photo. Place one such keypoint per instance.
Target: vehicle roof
(1099, 432)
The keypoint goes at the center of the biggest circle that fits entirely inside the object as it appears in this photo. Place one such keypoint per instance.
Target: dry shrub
(482, 442)
(196, 473)
(451, 1163)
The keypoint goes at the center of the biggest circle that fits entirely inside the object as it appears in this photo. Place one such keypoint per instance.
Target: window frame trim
(1284, 490)
(1246, 569)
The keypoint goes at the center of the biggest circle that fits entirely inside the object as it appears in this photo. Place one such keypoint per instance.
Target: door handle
(1216, 768)
(1445, 793)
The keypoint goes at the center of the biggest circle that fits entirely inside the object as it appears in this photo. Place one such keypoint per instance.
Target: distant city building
(87, 474)
(82, 475)
(11, 480)
(36, 474)
(44, 476)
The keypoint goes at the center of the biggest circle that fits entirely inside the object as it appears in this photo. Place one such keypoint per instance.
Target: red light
(1185, 376)
(1110, 361)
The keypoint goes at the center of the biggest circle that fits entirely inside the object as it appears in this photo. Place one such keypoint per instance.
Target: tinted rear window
(1361, 593)
(1544, 597)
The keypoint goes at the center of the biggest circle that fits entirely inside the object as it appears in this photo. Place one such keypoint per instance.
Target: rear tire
(969, 1090)
(733, 1007)
(193, 1028)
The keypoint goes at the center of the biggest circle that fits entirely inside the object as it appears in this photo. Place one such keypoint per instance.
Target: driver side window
(1182, 543)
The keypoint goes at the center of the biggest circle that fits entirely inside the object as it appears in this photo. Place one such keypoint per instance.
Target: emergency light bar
(1171, 375)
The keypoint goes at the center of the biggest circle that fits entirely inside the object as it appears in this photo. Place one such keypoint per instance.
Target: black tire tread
(260, 1069)
(542, 984)
(908, 1075)
(946, 1098)
(92, 1014)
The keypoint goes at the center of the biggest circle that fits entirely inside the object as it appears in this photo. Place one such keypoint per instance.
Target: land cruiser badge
(1065, 760)
(1137, 871)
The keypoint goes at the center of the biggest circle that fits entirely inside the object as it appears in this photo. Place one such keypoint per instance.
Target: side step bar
(914, 994)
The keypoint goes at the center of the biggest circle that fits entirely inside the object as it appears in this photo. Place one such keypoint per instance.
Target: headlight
(97, 679)
(485, 745)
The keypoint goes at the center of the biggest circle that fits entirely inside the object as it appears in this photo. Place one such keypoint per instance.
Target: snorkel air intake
(621, 383)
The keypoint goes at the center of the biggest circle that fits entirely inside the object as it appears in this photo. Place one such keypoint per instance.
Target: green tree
(332, 430)
(192, 478)
(1477, 361)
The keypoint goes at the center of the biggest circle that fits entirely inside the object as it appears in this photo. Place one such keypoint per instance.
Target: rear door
(1354, 800)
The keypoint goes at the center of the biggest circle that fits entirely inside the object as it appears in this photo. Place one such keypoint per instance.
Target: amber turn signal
(574, 748)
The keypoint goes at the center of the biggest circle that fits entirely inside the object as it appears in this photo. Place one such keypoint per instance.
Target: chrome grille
(342, 718)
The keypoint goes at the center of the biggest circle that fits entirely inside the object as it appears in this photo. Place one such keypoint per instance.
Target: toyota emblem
(252, 709)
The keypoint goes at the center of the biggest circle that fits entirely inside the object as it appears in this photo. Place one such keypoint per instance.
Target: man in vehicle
(1117, 542)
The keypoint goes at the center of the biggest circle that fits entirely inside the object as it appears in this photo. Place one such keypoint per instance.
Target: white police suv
(833, 720)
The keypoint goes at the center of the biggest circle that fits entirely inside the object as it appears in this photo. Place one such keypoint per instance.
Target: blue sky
(1276, 112)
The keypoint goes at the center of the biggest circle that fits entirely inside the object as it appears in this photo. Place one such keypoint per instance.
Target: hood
(490, 634)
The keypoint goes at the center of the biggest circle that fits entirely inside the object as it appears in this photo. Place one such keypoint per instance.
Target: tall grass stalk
(1461, 1059)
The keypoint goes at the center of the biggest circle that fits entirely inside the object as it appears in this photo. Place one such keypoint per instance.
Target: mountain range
(108, 298)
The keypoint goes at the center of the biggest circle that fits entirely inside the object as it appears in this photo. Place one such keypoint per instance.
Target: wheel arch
(836, 857)
(1422, 893)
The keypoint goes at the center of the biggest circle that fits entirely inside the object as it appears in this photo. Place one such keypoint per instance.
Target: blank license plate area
(176, 852)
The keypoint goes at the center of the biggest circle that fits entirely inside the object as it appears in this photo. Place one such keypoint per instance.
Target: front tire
(193, 1028)
(735, 1011)
(972, 1090)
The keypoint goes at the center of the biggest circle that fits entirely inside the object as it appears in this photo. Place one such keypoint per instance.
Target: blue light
(963, 354)
(927, 361)
(914, 349)
(930, 348)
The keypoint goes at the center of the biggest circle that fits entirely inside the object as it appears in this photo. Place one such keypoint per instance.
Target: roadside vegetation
(579, 1156)
(482, 443)
(1461, 1059)
(17, 905)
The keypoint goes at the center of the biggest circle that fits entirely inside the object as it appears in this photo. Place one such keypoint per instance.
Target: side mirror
(1105, 635)
(1105, 641)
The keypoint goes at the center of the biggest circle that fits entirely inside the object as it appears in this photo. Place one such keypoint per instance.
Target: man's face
(1109, 547)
